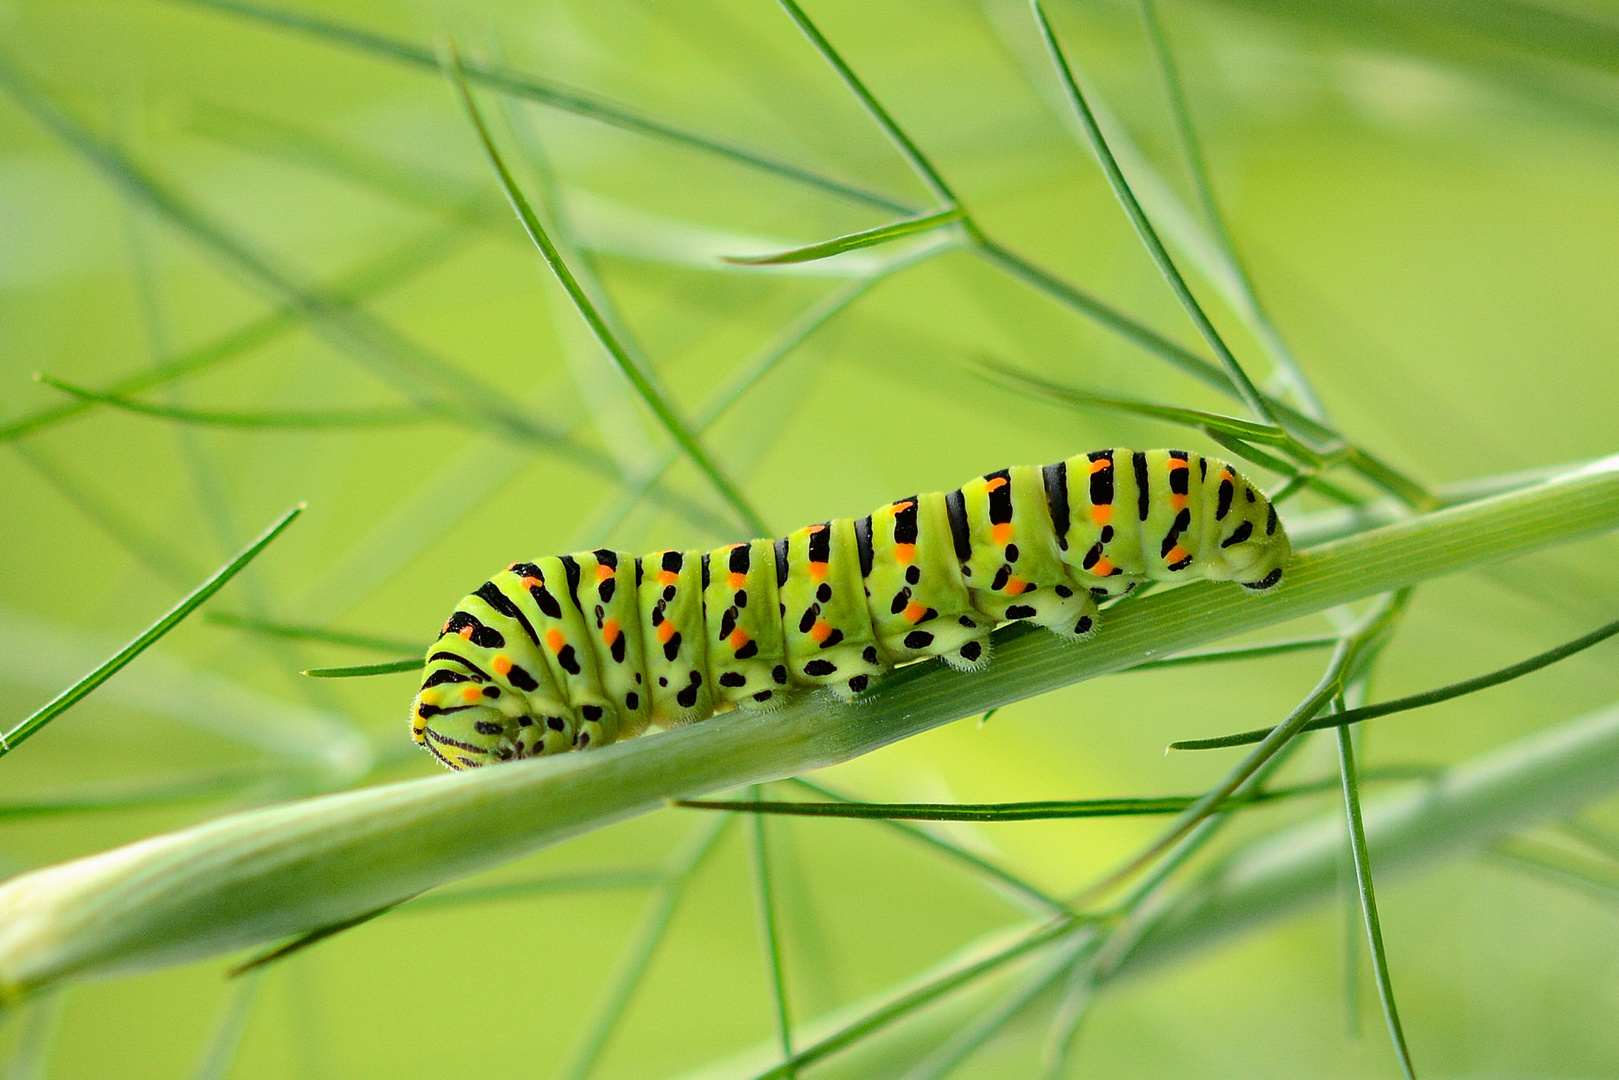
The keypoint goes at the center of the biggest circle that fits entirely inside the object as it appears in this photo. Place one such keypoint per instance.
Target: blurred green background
(1423, 192)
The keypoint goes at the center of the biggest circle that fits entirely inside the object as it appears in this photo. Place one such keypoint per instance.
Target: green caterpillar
(581, 650)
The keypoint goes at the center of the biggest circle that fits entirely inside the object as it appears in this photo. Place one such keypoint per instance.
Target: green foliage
(811, 256)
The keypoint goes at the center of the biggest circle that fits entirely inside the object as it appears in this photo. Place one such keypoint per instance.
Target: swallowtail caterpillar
(580, 650)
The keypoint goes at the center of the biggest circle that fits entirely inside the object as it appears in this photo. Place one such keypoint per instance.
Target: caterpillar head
(455, 720)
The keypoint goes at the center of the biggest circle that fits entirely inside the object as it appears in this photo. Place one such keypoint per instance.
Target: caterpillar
(581, 650)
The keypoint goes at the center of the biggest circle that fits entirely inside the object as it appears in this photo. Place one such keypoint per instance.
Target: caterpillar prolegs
(580, 650)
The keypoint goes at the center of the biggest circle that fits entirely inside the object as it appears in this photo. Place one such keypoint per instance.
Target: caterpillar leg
(1067, 610)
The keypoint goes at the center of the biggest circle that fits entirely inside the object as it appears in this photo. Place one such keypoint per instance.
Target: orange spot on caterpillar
(820, 631)
(738, 638)
(666, 630)
(1015, 586)
(811, 530)
(1177, 501)
(554, 640)
(1103, 514)
(667, 577)
(901, 507)
(465, 633)
(1102, 568)
(995, 484)
(503, 664)
(603, 571)
(1101, 463)
(904, 553)
(817, 571)
(1001, 533)
(1177, 463)
(1227, 474)
(913, 612)
(530, 582)
(737, 581)
(1176, 554)
(609, 631)
(470, 694)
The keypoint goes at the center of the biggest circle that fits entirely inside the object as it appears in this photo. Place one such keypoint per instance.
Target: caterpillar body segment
(580, 650)
(919, 601)
(746, 654)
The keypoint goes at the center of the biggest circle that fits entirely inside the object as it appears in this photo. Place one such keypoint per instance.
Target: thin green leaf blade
(677, 428)
(64, 701)
(1427, 697)
(1368, 900)
(882, 234)
(387, 667)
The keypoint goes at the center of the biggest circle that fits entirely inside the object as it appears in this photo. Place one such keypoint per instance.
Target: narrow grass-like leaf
(764, 901)
(370, 278)
(908, 1003)
(1240, 652)
(908, 149)
(231, 1028)
(1079, 993)
(1593, 836)
(630, 877)
(309, 418)
(387, 667)
(1540, 778)
(309, 940)
(155, 552)
(511, 890)
(1230, 432)
(507, 81)
(882, 234)
(746, 378)
(261, 875)
(1552, 863)
(270, 136)
(1031, 897)
(1344, 657)
(969, 1039)
(314, 633)
(411, 367)
(31, 1056)
(633, 962)
(126, 796)
(1191, 150)
(654, 400)
(168, 621)
(1265, 434)
(1385, 476)
(314, 744)
(1417, 701)
(1368, 900)
(1045, 810)
(1149, 236)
